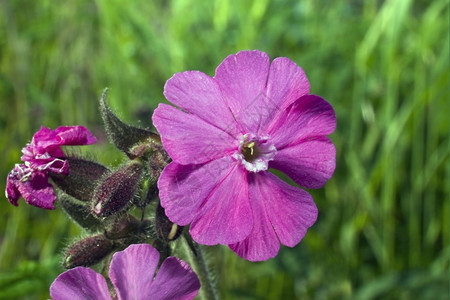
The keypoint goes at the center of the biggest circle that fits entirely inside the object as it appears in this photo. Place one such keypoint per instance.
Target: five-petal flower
(131, 273)
(230, 129)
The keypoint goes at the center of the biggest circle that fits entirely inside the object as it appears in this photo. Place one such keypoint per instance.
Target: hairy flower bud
(82, 178)
(122, 135)
(115, 191)
(165, 229)
(88, 251)
(79, 212)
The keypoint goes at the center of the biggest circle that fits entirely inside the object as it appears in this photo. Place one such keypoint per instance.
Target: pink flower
(41, 156)
(131, 273)
(230, 129)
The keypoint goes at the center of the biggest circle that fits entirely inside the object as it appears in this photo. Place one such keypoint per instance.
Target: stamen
(251, 145)
(60, 170)
(255, 152)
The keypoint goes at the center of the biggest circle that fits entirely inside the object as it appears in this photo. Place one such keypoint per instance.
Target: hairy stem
(200, 266)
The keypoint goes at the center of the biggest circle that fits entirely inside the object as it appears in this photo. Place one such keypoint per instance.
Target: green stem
(195, 255)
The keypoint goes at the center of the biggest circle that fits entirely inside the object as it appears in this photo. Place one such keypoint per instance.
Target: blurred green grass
(383, 227)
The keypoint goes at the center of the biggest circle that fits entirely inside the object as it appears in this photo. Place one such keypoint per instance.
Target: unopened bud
(88, 251)
(79, 212)
(82, 179)
(115, 191)
(122, 135)
(165, 229)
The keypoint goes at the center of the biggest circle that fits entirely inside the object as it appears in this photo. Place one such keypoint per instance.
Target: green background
(383, 226)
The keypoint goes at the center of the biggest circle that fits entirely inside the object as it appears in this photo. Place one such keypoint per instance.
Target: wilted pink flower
(41, 156)
(230, 129)
(131, 273)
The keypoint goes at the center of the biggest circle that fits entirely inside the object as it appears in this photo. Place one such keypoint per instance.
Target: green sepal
(79, 212)
(125, 137)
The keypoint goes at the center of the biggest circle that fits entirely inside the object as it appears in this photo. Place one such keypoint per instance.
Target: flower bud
(115, 191)
(122, 135)
(165, 229)
(88, 251)
(82, 179)
(79, 212)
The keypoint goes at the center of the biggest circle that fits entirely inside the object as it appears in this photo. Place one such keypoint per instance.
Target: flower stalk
(196, 258)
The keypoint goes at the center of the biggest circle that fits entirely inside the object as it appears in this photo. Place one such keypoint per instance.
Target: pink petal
(175, 281)
(286, 83)
(188, 139)
(291, 210)
(199, 94)
(42, 143)
(310, 116)
(48, 142)
(42, 136)
(131, 271)
(66, 136)
(225, 216)
(262, 243)
(183, 188)
(242, 79)
(280, 212)
(310, 163)
(37, 191)
(12, 193)
(74, 135)
(79, 283)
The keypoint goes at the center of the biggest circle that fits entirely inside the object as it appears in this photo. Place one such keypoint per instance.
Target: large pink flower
(131, 273)
(230, 129)
(41, 156)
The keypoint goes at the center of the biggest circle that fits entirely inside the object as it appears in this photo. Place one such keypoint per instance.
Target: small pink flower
(131, 273)
(41, 156)
(230, 129)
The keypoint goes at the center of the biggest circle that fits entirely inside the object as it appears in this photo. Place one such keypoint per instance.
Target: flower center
(250, 151)
(255, 152)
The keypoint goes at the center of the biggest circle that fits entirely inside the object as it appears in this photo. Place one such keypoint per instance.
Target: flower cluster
(211, 166)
